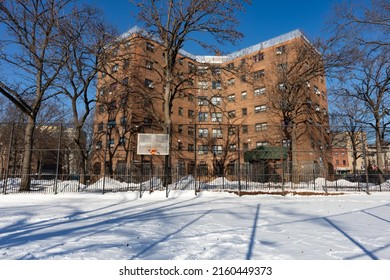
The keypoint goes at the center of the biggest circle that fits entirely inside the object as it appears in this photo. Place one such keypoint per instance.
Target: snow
(209, 226)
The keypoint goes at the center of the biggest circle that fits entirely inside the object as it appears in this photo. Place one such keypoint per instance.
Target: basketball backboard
(153, 144)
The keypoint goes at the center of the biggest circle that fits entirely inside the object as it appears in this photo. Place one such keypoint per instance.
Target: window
(99, 145)
(232, 131)
(149, 83)
(243, 79)
(191, 97)
(203, 149)
(203, 117)
(191, 114)
(149, 65)
(216, 84)
(230, 66)
(258, 57)
(216, 117)
(101, 109)
(244, 112)
(261, 126)
(148, 121)
(258, 74)
(282, 66)
(122, 141)
(217, 133)
(245, 147)
(244, 95)
(233, 147)
(191, 82)
(216, 70)
(180, 129)
(111, 143)
(202, 69)
(150, 47)
(262, 144)
(100, 126)
(259, 91)
(180, 111)
(316, 90)
(123, 121)
(282, 86)
(126, 63)
(202, 84)
(344, 162)
(230, 81)
(180, 146)
(244, 128)
(260, 108)
(286, 142)
(191, 147)
(280, 50)
(202, 101)
(191, 66)
(232, 114)
(216, 100)
(203, 132)
(115, 68)
(217, 149)
(190, 130)
(111, 124)
(231, 97)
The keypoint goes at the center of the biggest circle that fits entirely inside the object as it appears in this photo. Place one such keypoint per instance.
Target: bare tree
(32, 47)
(175, 22)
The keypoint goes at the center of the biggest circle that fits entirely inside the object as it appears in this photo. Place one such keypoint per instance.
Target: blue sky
(263, 20)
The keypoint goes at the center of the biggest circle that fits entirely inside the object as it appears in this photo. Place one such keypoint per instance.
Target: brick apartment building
(269, 98)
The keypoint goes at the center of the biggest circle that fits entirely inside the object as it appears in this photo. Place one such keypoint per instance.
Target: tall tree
(175, 22)
(34, 49)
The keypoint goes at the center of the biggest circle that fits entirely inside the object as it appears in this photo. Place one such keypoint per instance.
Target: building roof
(221, 59)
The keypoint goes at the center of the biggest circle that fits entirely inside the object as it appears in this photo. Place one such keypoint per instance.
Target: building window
(111, 143)
(258, 74)
(203, 149)
(111, 124)
(190, 130)
(280, 50)
(216, 84)
(259, 91)
(232, 131)
(282, 67)
(316, 90)
(230, 66)
(122, 140)
(262, 144)
(191, 114)
(261, 126)
(203, 117)
(244, 95)
(232, 114)
(180, 111)
(203, 132)
(258, 57)
(231, 98)
(230, 81)
(217, 149)
(191, 66)
(123, 121)
(191, 147)
(149, 83)
(149, 65)
(191, 97)
(180, 146)
(115, 68)
(126, 63)
(180, 129)
(216, 117)
(217, 133)
(233, 147)
(202, 84)
(244, 111)
(150, 47)
(202, 101)
(216, 100)
(260, 108)
(244, 128)
(245, 147)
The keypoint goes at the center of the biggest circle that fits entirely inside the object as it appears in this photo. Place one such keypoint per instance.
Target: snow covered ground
(209, 226)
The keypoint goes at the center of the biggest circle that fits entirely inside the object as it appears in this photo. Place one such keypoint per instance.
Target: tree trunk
(379, 153)
(294, 157)
(27, 155)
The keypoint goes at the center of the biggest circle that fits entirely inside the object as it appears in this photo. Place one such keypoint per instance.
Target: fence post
(8, 159)
(195, 157)
(239, 160)
(365, 161)
(58, 161)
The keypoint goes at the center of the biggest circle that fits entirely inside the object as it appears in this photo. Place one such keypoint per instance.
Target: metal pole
(9, 158)
(195, 157)
(58, 160)
(365, 160)
(239, 161)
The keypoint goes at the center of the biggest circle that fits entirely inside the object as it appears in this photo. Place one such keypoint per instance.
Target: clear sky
(262, 20)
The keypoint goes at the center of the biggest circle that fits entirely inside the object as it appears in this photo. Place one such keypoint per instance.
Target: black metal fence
(56, 161)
